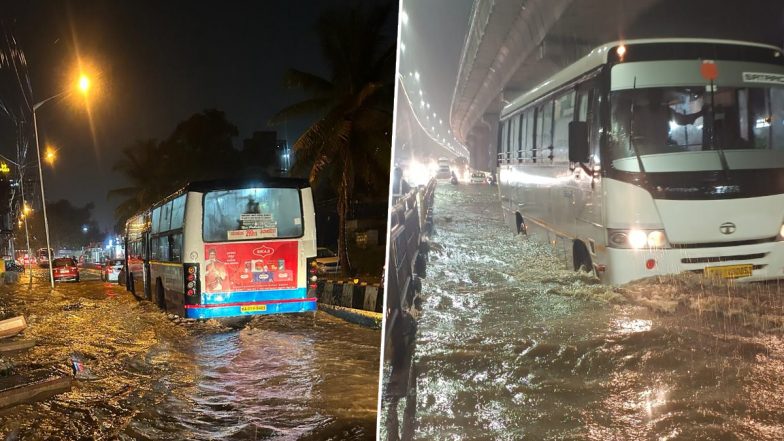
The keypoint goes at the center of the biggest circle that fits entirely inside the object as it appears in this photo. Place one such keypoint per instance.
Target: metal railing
(411, 222)
(527, 155)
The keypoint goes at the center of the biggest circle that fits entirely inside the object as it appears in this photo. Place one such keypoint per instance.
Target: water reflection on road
(282, 377)
(510, 346)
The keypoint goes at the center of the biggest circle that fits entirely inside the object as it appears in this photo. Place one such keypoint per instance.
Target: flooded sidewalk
(512, 346)
(149, 377)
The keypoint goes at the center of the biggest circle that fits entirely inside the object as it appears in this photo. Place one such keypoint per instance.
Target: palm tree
(350, 141)
(143, 164)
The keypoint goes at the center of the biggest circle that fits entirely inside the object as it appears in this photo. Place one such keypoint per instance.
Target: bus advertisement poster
(250, 266)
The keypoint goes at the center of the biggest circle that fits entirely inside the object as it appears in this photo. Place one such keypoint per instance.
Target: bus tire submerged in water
(160, 294)
(581, 259)
(520, 224)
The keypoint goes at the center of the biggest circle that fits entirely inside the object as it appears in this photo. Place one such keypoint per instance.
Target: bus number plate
(253, 308)
(729, 271)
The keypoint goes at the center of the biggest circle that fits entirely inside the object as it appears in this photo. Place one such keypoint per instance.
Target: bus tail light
(191, 283)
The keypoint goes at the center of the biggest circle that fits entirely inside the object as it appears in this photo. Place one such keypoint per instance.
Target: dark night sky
(160, 62)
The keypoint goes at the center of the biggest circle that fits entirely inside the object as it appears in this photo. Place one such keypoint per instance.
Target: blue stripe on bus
(253, 296)
(235, 310)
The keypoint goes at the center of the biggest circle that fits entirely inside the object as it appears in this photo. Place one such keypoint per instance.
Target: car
(444, 173)
(478, 177)
(327, 261)
(110, 270)
(64, 268)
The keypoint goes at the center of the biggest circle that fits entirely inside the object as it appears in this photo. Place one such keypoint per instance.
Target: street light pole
(84, 85)
(43, 198)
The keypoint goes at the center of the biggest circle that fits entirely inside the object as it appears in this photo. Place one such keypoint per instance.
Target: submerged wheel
(581, 259)
(520, 224)
(160, 295)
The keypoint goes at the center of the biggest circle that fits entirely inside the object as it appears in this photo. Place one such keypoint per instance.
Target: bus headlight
(781, 233)
(637, 239)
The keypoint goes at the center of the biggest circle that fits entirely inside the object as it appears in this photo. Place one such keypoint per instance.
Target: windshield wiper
(631, 129)
(712, 112)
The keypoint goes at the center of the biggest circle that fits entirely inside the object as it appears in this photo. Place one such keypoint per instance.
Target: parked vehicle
(110, 270)
(327, 261)
(478, 177)
(43, 257)
(65, 268)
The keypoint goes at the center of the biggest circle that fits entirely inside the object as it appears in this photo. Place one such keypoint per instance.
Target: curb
(360, 317)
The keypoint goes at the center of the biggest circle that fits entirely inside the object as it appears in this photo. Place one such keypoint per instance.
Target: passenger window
(544, 127)
(521, 141)
(563, 113)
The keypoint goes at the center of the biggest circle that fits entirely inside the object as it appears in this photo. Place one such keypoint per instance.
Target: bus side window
(562, 115)
(515, 137)
(502, 143)
(175, 247)
(507, 142)
(544, 129)
(528, 140)
(595, 125)
(520, 138)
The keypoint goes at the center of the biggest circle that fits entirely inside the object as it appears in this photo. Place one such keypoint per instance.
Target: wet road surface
(511, 346)
(147, 377)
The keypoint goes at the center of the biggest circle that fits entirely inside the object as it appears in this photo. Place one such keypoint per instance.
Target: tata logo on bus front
(263, 251)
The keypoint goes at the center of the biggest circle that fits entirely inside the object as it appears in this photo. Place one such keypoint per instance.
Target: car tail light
(191, 283)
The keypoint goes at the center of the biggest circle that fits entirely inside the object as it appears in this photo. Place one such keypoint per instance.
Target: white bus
(225, 248)
(653, 157)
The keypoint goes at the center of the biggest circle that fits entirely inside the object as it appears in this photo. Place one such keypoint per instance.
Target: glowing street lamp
(50, 155)
(84, 83)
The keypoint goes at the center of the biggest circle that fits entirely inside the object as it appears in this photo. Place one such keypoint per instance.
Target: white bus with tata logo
(225, 248)
(653, 157)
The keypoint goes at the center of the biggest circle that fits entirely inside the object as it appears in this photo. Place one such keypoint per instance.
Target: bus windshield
(684, 128)
(252, 214)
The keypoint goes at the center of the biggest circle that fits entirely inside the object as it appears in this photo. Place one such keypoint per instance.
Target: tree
(199, 148)
(144, 164)
(350, 142)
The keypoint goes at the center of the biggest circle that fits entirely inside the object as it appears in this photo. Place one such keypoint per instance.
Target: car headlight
(638, 239)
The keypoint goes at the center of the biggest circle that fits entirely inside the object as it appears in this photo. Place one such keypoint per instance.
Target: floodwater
(293, 377)
(511, 345)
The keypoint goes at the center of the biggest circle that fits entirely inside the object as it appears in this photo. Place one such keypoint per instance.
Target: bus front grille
(715, 259)
(723, 244)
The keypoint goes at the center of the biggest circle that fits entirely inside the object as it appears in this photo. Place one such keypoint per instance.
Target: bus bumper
(625, 265)
(250, 308)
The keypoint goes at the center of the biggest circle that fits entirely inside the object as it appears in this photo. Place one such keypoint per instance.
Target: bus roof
(237, 183)
(227, 184)
(597, 57)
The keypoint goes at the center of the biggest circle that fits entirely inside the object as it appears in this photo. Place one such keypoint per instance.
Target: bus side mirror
(578, 142)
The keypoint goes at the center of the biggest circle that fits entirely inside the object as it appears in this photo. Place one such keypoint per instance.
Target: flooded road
(294, 377)
(512, 346)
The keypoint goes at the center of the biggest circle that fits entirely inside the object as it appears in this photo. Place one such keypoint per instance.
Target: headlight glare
(656, 239)
(637, 239)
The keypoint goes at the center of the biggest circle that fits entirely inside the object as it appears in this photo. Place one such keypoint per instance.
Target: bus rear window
(252, 214)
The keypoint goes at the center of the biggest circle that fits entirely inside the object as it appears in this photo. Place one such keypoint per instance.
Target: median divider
(360, 303)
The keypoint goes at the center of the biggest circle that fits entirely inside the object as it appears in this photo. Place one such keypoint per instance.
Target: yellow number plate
(728, 271)
(253, 308)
